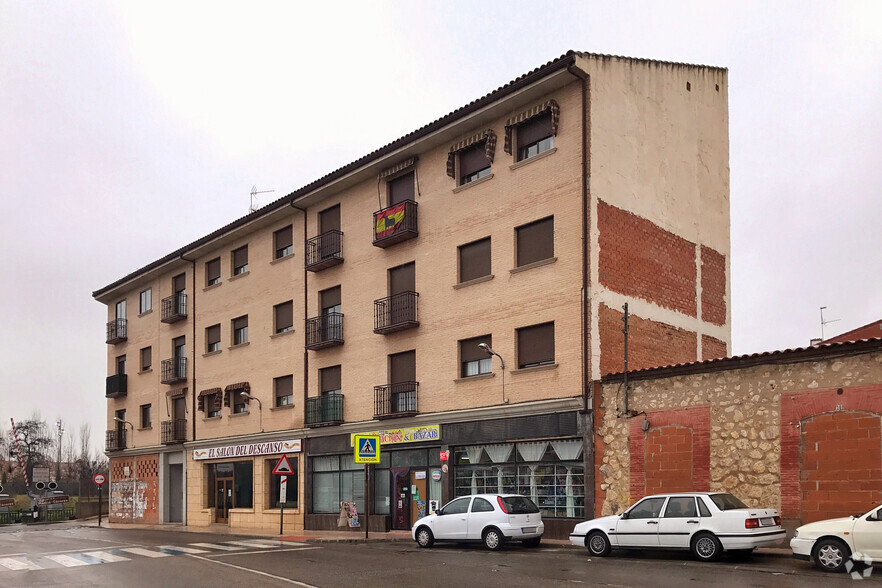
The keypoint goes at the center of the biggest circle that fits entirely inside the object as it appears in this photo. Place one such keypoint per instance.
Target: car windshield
(727, 502)
(519, 505)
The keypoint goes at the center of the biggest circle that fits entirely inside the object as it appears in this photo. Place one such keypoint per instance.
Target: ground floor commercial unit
(147, 486)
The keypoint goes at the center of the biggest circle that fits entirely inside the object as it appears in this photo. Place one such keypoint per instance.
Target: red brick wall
(840, 465)
(712, 348)
(143, 503)
(797, 409)
(650, 343)
(713, 286)
(668, 432)
(639, 258)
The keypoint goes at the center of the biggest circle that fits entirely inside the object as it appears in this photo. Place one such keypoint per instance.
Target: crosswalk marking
(218, 546)
(66, 560)
(104, 557)
(257, 544)
(178, 549)
(144, 552)
(18, 564)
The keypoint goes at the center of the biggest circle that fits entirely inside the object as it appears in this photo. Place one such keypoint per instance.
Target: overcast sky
(130, 129)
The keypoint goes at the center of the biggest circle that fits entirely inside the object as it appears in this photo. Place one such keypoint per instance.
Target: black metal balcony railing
(174, 370)
(394, 400)
(115, 440)
(324, 331)
(396, 313)
(116, 331)
(174, 308)
(117, 386)
(324, 410)
(324, 251)
(174, 431)
(396, 224)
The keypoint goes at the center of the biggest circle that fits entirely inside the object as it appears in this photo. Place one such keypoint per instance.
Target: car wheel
(534, 542)
(706, 547)
(493, 539)
(598, 544)
(830, 555)
(424, 537)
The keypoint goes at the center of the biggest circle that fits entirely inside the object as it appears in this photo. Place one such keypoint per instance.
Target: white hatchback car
(706, 523)
(492, 519)
(832, 542)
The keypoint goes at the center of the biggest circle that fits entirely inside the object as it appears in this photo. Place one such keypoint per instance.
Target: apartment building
(455, 292)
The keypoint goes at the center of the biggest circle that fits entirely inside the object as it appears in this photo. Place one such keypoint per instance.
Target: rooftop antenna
(823, 322)
(254, 193)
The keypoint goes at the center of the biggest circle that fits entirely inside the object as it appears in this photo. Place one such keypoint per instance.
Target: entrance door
(400, 498)
(419, 500)
(176, 493)
(223, 499)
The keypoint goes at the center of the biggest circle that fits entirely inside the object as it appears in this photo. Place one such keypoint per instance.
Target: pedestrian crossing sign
(367, 449)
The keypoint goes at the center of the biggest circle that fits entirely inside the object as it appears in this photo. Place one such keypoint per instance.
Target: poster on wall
(349, 514)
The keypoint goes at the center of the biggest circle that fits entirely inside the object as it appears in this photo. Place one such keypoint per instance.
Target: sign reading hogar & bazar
(404, 435)
(248, 449)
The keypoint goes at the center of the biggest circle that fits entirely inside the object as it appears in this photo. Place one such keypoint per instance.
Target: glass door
(400, 498)
(223, 499)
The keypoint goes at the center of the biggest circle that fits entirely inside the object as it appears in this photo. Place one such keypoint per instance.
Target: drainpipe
(305, 311)
(192, 347)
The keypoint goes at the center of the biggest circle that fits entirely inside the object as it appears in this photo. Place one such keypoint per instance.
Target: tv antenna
(254, 193)
(823, 322)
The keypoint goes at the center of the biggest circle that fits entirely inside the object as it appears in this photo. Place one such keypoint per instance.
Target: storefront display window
(275, 483)
(241, 476)
(336, 478)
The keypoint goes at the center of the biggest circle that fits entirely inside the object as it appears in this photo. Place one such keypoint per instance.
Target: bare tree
(35, 442)
(88, 462)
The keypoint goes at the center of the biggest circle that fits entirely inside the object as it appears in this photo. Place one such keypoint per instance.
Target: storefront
(234, 485)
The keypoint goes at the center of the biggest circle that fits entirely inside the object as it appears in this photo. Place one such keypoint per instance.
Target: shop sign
(445, 455)
(436, 475)
(247, 450)
(47, 500)
(403, 435)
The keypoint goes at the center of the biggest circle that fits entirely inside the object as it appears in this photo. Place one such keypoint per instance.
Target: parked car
(832, 542)
(706, 523)
(491, 519)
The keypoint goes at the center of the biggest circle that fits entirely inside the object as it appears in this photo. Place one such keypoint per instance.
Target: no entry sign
(99, 479)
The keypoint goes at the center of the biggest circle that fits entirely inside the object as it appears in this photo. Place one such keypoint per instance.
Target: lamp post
(134, 467)
(249, 397)
(487, 349)
(60, 425)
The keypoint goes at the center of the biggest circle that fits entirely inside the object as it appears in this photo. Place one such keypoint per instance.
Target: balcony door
(179, 286)
(332, 319)
(401, 189)
(402, 374)
(329, 220)
(402, 279)
(180, 355)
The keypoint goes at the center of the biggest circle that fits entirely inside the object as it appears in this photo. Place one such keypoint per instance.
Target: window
(329, 379)
(240, 260)
(473, 164)
(213, 339)
(121, 365)
(458, 506)
(179, 283)
(283, 243)
(212, 272)
(481, 505)
(474, 260)
(401, 189)
(648, 508)
(240, 330)
(145, 301)
(210, 402)
(146, 421)
(146, 358)
(240, 404)
(402, 382)
(535, 136)
(283, 317)
(535, 241)
(474, 360)
(276, 484)
(121, 309)
(242, 474)
(536, 345)
(681, 506)
(336, 478)
(284, 390)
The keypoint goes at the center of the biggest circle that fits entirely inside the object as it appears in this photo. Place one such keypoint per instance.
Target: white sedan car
(492, 519)
(706, 523)
(832, 542)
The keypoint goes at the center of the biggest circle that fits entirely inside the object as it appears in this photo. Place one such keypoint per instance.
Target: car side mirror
(624, 516)
(439, 512)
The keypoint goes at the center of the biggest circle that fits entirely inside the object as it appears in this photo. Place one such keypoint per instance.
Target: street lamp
(489, 351)
(134, 466)
(249, 397)
(60, 426)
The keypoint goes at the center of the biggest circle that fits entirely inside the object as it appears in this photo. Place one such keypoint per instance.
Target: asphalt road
(69, 554)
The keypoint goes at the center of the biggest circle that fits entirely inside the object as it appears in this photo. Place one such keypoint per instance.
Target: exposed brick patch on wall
(668, 431)
(650, 343)
(840, 465)
(712, 348)
(713, 286)
(803, 406)
(639, 258)
(134, 498)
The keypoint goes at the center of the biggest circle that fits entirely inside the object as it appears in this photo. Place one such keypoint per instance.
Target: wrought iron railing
(324, 331)
(396, 312)
(395, 224)
(326, 409)
(324, 251)
(117, 386)
(174, 431)
(115, 440)
(117, 331)
(174, 308)
(174, 370)
(392, 400)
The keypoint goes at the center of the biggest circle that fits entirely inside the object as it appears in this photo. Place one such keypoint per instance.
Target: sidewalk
(347, 536)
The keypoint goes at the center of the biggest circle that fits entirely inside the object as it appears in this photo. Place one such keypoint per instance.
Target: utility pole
(60, 426)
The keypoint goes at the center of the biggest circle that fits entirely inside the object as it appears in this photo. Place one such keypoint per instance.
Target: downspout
(193, 344)
(305, 311)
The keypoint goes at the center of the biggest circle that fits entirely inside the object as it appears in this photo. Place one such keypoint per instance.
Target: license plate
(767, 522)
(526, 530)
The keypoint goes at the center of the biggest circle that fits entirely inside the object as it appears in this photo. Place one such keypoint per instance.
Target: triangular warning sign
(368, 449)
(283, 468)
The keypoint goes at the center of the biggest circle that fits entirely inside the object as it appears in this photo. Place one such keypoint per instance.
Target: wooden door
(224, 499)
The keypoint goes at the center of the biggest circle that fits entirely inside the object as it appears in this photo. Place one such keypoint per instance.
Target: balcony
(116, 331)
(396, 224)
(174, 431)
(395, 400)
(324, 251)
(324, 410)
(174, 370)
(324, 331)
(115, 440)
(174, 308)
(396, 313)
(117, 386)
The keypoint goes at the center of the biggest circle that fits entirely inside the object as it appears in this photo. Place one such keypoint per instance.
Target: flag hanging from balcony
(388, 220)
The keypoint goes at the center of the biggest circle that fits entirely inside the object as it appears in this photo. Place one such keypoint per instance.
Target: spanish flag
(388, 220)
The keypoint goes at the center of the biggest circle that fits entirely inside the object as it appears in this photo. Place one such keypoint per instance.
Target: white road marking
(106, 557)
(17, 564)
(182, 549)
(144, 552)
(257, 543)
(67, 561)
(264, 574)
(218, 546)
(270, 551)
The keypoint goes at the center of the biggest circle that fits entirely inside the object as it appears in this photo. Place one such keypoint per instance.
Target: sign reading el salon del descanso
(403, 435)
(248, 449)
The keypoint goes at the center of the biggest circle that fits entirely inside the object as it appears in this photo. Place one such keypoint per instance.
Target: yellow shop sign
(403, 435)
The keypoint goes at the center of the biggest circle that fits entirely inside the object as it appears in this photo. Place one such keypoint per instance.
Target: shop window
(335, 479)
(242, 473)
(275, 484)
